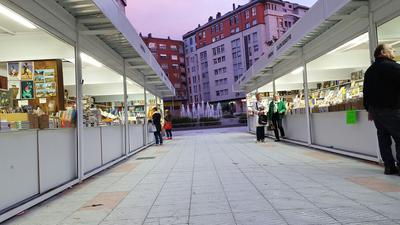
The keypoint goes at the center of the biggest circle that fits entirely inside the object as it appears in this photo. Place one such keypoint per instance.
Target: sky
(174, 18)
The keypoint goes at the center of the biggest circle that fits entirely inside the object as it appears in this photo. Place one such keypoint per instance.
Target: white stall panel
(295, 126)
(91, 142)
(57, 157)
(18, 167)
(330, 130)
(135, 137)
(150, 135)
(112, 143)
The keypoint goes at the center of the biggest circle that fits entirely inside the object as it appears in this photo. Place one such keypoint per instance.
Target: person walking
(258, 109)
(168, 124)
(382, 101)
(156, 118)
(276, 111)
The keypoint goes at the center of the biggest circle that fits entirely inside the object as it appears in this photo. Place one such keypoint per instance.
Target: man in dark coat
(156, 118)
(382, 101)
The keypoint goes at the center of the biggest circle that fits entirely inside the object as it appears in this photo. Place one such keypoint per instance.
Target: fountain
(194, 111)
(183, 111)
(188, 113)
(219, 110)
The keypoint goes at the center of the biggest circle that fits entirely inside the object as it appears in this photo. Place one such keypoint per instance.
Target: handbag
(262, 119)
(270, 126)
(168, 125)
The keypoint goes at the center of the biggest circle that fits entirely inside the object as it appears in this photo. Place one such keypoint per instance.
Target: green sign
(351, 117)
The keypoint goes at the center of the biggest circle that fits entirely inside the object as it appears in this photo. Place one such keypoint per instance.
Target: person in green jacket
(277, 109)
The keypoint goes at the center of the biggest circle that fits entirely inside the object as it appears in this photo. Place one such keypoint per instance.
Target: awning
(287, 51)
(105, 20)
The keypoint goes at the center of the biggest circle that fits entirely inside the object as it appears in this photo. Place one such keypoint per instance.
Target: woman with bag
(168, 124)
(261, 121)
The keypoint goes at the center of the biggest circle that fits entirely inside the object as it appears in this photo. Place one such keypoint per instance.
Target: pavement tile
(354, 214)
(214, 219)
(258, 218)
(307, 217)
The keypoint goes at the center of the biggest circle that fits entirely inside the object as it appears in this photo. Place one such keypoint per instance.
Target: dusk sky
(174, 18)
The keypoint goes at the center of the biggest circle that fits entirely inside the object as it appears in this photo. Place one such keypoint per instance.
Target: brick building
(220, 51)
(170, 55)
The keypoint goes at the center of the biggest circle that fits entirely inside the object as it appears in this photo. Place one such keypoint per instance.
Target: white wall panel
(57, 157)
(112, 143)
(18, 167)
(91, 142)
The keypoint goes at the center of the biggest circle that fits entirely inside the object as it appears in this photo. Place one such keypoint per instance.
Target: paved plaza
(222, 177)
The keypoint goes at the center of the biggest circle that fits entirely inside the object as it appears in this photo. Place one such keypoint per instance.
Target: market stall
(326, 108)
(63, 112)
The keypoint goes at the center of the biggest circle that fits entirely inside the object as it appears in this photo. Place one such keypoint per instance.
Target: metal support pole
(273, 87)
(306, 98)
(145, 130)
(373, 43)
(126, 125)
(372, 32)
(79, 106)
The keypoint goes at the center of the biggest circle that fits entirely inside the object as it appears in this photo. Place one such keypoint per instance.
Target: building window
(175, 66)
(152, 45)
(237, 19)
(221, 26)
(164, 66)
(237, 29)
(174, 48)
(254, 22)
(247, 25)
(163, 46)
(163, 56)
(247, 14)
(232, 30)
(255, 37)
(174, 57)
(255, 48)
(254, 11)
(231, 21)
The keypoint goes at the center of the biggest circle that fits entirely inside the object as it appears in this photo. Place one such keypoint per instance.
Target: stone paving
(221, 176)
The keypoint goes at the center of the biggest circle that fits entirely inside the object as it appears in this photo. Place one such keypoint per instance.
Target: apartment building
(170, 55)
(220, 51)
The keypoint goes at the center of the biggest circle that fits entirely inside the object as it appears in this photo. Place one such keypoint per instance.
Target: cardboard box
(43, 121)
(33, 121)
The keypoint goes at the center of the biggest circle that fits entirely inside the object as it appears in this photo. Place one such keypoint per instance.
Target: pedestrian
(259, 110)
(276, 111)
(168, 124)
(156, 117)
(382, 101)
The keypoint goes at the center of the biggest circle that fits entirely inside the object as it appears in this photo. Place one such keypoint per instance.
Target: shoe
(262, 140)
(391, 171)
(277, 140)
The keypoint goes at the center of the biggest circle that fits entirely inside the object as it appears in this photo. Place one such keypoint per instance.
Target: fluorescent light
(16, 17)
(298, 70)
(88, 59)
(351, 44)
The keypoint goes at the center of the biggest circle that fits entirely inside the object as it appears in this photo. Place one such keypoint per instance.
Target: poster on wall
(26, 70)
(5, 98)
(27, 90)
(13, 71)
(15, 87)
(45, 83)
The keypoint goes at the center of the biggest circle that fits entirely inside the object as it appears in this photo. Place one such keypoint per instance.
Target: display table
(330, 130)
(295, 126)
(92, 152)
(135, 137)
(112, 143)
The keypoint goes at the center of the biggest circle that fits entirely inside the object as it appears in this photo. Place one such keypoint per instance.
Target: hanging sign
(351, 117)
